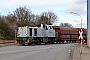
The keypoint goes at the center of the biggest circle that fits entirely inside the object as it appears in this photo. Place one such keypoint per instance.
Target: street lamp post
(77, 21)
(81, 28)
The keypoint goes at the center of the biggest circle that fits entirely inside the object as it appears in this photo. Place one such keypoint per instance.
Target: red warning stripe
(82, 29)
(78, 29)
(78, 40)
(82, 40)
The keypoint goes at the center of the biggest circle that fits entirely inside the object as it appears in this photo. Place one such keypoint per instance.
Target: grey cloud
(80, 1)
(79, 6)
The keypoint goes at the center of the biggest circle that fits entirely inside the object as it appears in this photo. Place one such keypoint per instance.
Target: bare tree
(66, 25)
(23, 14)
(11, 20)
(52, 17)
(43, 19)
(47, 17)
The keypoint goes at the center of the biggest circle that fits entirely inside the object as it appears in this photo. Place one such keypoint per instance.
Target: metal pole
(81, 38)
(81, 28)
(15, 34)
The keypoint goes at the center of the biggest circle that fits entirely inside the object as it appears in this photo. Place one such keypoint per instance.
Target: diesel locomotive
(47, 34)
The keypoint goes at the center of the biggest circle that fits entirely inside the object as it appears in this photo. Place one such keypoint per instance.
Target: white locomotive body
(38, 35)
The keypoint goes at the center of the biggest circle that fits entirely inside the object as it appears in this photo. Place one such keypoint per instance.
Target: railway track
(6, 43)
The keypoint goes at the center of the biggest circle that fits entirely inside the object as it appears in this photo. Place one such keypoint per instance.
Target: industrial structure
(88, 23)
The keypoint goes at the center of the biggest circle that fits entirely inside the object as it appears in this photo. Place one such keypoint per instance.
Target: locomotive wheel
(38, 43)
(52, 42)
(22, 44)
(69, 41)
(62, 41)
(29, 43)
(46, 42)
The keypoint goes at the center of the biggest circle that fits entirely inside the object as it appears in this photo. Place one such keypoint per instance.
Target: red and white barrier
(81, 37)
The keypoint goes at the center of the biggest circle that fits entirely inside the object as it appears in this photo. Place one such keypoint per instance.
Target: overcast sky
(60, 7)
